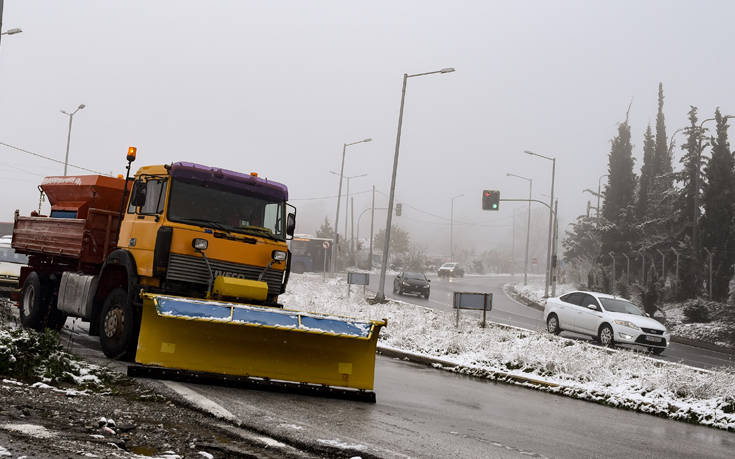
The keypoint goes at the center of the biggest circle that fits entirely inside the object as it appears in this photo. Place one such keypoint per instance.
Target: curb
(511, 292)
(434, 362)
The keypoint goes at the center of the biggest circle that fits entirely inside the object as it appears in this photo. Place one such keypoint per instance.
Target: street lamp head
(12, 31)
(528, 152)
(447, 70)
(81, 106)
(368, 140)
(64, 112)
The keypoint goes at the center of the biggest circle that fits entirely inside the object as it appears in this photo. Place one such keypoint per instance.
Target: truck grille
(186, 268)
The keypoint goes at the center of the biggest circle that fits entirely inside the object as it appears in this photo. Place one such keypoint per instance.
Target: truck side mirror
(290, 224)
(139, 191)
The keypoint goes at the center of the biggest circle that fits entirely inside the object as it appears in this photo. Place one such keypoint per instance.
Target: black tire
(56, 319)
(118, 326)
(606, 336)
(656, 350)
(34, 302)
(552, 324)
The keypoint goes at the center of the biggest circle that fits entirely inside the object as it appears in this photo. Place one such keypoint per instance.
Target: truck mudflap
(257, 342)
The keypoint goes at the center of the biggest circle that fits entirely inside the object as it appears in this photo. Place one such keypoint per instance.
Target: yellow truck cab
(192, 229)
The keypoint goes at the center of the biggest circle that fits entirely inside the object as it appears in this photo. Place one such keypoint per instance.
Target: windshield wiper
(206, 223)
(259, 230)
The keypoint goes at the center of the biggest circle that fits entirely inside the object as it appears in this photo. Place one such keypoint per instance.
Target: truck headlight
(199, 244)
(625, 323)
(278, 255)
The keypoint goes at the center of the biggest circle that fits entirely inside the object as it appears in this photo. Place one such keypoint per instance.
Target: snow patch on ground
(201, 402)
(341, 444)
(32, 430)
(546, 362)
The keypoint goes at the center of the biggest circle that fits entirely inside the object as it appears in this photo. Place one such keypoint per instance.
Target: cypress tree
(662, 155)
(644, 185)
(618, 208)
(719, 209)
(687, 209)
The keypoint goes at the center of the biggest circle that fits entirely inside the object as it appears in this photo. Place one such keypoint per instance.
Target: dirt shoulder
(82, 409)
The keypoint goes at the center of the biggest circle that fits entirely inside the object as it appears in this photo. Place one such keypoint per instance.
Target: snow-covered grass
(559, 365)
(38, 358)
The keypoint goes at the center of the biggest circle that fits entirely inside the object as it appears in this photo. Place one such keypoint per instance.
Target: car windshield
(9, 255)
(449, 265)
(618, 305)
(224, 209)
(414, 276)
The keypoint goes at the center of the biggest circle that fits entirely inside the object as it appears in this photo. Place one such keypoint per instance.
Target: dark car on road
(450, 270)
(414, 283)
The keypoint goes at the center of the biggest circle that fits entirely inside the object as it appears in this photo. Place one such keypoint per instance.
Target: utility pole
(352, 226)
(554, 257)
(372, 218)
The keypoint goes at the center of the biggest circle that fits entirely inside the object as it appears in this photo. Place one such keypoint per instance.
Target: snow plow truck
(180, 268)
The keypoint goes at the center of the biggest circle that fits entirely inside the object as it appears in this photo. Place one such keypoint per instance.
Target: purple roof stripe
(230, 179)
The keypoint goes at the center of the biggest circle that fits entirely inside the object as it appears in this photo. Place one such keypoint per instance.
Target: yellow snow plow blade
(257, 341)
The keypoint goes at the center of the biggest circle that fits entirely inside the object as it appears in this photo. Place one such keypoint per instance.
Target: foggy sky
(278, 87)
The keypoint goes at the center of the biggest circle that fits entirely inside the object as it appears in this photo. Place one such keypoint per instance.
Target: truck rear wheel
(117, 326)
(34, 302)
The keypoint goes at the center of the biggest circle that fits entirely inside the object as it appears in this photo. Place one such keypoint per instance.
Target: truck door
(142, 220)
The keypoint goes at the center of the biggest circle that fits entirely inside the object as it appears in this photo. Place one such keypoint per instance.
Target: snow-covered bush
(696, 311)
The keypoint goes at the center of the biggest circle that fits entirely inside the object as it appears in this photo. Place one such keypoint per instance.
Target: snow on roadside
(560, 365)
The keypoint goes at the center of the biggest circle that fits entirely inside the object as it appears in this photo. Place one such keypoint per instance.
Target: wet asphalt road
(425, 412)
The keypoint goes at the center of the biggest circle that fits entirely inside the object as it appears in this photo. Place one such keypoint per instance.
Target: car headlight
(628, 324)
(405, 283)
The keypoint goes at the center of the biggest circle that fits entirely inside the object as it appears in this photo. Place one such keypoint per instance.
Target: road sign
(534, 261)
(477, 301)
(358, 278)
(325, 244)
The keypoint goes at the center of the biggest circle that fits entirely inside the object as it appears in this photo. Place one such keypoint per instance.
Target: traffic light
(398, 209)
(490, 199)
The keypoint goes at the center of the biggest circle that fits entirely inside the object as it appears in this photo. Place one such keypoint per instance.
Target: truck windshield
(213, 207)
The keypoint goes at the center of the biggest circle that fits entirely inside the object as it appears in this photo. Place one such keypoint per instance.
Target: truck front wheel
(117, 326)
(33, 302)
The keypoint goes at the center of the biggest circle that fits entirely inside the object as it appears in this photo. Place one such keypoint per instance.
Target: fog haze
(278, 87)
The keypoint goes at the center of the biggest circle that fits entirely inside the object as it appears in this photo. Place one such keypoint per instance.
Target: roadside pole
(372, 218)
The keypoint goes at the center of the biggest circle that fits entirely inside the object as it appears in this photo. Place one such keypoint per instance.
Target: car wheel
(606, 336)
(426, 296)
(656, 350)
(117, 327)
(33, 302)
(552, 324)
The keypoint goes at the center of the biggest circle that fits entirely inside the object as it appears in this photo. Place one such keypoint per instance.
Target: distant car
(10, 264)
(450, 270)
(610, 319)
(414, 283)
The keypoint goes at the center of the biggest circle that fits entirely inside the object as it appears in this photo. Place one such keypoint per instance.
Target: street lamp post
(339, 197)
(9, 31)
(528, 223)
(68, 135)
(380, 296)
(451, 228)
(551, 221)
(347, 198)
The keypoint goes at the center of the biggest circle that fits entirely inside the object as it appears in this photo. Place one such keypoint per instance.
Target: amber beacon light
(131, 153)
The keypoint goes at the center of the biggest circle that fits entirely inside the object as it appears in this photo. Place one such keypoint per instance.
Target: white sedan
(612, 320)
